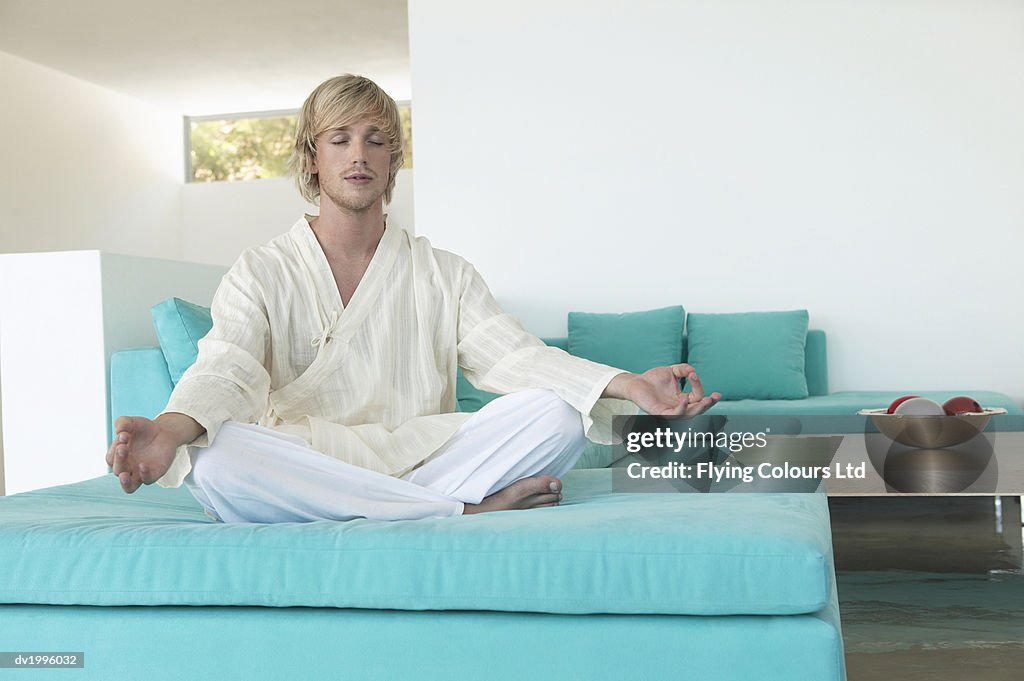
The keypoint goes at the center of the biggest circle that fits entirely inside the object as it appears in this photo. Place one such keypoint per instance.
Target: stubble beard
(354, 202)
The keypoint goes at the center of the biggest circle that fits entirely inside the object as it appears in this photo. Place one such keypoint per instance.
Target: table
(846, 455)
(937, 475)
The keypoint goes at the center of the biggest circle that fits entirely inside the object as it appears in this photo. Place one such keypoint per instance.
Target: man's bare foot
(541, 490)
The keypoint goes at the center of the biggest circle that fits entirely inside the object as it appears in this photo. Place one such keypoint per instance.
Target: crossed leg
(508, 455)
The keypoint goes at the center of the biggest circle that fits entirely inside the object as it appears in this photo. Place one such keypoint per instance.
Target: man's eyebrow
(348, 128)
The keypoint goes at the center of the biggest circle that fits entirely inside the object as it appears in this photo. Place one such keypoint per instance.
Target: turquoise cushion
(271, 644)
(750, 355)
(633, 341)
(598, 552)
(179, 326)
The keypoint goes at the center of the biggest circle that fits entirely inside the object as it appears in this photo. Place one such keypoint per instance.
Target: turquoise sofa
(769, 364)
(608, 585)
(141, 384)
(820, 412)
(605, 586)
(820, 402)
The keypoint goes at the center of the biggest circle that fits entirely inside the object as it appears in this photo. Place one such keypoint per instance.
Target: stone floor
(928, 589)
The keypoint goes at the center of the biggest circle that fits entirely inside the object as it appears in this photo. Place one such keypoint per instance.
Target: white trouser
(259, 475)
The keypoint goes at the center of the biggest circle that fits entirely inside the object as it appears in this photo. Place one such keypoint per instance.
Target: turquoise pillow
(750, 355)
(633, 341)
(179, 326)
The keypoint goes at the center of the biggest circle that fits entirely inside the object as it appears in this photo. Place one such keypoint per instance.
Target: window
(253, 146)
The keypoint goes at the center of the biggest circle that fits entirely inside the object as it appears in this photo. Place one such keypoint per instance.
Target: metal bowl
(931, 432)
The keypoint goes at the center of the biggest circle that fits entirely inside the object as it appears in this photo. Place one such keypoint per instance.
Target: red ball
(898, 401)
(961, 404)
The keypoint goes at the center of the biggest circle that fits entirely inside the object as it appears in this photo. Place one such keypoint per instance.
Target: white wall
(221, 219)
(862, 159)
(84, 167)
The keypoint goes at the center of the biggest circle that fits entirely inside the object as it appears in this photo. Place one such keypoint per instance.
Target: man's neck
(350, 236)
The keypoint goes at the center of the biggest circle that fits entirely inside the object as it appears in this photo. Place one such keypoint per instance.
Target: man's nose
(358, 152)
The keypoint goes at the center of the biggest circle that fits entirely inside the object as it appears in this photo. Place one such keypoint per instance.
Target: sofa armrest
(140, 384)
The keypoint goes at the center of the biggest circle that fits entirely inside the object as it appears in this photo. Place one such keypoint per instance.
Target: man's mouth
(358, 176)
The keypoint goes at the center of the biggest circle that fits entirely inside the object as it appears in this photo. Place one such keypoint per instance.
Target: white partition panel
(61, 317)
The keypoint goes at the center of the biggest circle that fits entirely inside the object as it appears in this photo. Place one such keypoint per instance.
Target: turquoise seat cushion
(849, 402)
(750, 355)
(598, 552)
(632, 341)
(179, 327)
(837, 413)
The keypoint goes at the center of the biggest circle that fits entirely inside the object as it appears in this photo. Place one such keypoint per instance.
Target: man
(326, 387)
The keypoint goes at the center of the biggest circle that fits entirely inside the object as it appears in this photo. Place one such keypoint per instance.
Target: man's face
(352, 165)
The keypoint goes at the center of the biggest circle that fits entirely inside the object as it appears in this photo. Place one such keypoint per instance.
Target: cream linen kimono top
(373, 383)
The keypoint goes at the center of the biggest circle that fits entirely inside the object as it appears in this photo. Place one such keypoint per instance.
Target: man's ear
(312, 157)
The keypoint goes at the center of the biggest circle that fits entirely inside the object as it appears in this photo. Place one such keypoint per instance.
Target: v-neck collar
(369, 286)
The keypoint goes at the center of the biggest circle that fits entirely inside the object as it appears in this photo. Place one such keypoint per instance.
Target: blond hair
(335, 103)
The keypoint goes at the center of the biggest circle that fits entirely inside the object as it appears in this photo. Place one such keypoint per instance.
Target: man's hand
(657, 391)
(143, 450)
